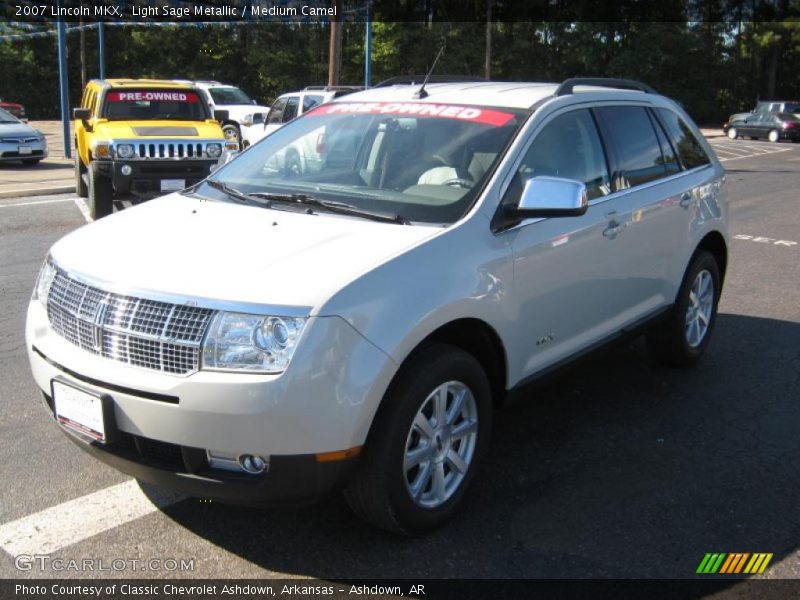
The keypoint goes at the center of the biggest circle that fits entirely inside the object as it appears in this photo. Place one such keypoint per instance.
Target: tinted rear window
(636, 148)
(683, 139)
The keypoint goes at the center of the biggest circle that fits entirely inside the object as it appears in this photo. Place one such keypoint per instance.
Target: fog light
(252, 464)
(126, 170)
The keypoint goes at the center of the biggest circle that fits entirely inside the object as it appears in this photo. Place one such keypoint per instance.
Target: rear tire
(30, 162)
(100, 194)
(684, 334)
(426, 443)
(80, 184)
(733, 133)
(774, 136)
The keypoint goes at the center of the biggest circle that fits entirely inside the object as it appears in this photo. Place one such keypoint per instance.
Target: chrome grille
(144, 333)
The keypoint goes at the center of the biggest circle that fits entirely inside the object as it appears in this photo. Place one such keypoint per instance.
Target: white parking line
(76, 520)
(81, 204)
(34, 202)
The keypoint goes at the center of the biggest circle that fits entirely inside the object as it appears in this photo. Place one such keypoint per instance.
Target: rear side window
(689, 150)
(636, 148)
(310, 102)
(670, 156)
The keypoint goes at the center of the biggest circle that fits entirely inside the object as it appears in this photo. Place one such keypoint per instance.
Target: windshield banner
(151, 96)
(421, 109)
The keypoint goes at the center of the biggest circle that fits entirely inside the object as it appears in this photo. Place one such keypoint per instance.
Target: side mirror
(550, 197)
(221, 115)
(83, 114)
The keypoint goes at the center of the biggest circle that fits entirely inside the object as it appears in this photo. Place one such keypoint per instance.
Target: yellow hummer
(142, 137)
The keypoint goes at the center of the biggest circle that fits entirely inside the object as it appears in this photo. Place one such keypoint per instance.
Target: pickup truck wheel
(101, 194)
(684, 335)
(232, 134)
(426, 443)
(80, 184)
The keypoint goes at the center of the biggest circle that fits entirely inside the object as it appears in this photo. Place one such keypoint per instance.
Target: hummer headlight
(214, 150)
(252, 343)
(125, 150)
(102, 149)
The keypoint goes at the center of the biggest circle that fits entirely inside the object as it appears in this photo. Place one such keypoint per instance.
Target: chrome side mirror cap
(546, 196)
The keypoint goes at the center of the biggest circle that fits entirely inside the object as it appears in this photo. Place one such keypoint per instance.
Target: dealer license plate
(25, 150)
(172, 185)
(80, 411)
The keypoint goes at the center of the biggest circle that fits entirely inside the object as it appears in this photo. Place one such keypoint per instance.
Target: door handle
(612, 230)
(686, 199)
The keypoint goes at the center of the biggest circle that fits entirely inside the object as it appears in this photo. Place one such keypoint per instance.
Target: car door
(568, 271)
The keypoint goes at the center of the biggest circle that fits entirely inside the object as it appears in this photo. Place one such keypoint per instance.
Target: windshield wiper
(232, 192)
(331, 205)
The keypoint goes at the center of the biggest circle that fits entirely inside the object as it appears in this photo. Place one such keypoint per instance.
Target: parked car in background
(15, 109)
(270, 337)
(142, 137)
(763, 107)
(772, 126)
(243, 111)
(19, 141)
(290, 106)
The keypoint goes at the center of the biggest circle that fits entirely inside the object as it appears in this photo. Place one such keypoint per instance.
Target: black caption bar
(427, 589)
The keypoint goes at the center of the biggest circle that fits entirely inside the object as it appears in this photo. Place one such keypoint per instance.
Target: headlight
(125, 150)
(46, 277)
(214, 150)
(248, 120)
(253, 343)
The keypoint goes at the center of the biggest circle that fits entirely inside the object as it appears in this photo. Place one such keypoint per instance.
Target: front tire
(685, 333)
(80, 184)
(428, 439)
(101, 194)
(232, 134)
(733, 133)
(774, 136)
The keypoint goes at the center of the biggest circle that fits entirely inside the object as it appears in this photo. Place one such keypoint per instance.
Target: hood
(18, 130)
(182, 129)
(216, 252)
(237, 112)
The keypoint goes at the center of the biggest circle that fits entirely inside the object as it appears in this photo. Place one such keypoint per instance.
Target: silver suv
(351, 325)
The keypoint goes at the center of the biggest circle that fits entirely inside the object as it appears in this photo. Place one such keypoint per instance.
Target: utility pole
(335, 47)
(488, 68)
(82, 34)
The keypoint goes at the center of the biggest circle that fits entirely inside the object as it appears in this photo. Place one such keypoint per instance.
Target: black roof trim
(568, 85)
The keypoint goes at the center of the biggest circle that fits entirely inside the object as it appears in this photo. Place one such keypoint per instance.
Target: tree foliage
(716, 58)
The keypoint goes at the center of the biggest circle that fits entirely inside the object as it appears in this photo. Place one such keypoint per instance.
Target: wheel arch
(714, 243)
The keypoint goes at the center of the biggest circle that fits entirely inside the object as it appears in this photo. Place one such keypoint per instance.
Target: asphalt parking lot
(616, 469)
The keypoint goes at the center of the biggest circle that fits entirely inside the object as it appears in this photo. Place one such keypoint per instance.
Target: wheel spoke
(421, 482)
(464, 428)
(458, 403)
(438, 482)
(417, 456)
(440, 405)
(423, 425)
(456, 461)
(693, 295)
(702, 317)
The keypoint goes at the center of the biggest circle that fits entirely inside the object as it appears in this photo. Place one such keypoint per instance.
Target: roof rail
(418, 79)
(568, 85)
(332, 88)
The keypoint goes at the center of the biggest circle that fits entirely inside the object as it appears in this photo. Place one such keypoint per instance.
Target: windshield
(7, 117)
(229, 95)
(152, 104)
(423, 162)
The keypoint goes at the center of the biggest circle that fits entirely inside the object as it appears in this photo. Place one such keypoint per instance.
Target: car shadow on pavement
(617, 468)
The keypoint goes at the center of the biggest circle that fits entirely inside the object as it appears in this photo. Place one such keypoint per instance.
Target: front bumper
(10, 151)
(146, 175)
(324, 402)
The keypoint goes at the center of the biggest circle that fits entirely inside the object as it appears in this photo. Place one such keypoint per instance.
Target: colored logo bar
(734, 563)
